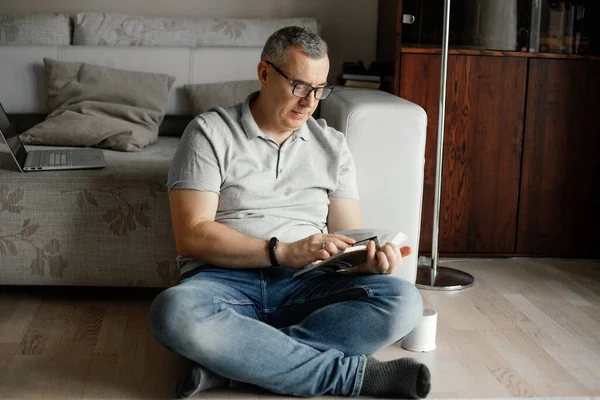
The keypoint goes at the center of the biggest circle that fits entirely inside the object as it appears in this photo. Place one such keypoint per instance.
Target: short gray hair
(280, 43)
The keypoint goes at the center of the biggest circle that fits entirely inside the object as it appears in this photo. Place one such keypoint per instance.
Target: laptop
(47, 160)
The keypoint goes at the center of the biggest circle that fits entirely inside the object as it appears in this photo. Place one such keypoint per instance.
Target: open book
(357, 253)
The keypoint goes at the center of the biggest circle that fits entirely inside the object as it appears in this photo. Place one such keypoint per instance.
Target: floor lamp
(434, 277)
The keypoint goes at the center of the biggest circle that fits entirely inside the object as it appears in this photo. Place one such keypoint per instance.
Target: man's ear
(262, 69)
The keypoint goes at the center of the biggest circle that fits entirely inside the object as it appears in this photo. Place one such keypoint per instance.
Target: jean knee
(159, 314)
(173, 312)
(404, 305)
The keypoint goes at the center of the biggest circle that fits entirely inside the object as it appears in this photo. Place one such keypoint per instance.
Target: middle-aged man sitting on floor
(252, 189)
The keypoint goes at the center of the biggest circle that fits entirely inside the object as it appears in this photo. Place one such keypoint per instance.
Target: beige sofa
(111, 227)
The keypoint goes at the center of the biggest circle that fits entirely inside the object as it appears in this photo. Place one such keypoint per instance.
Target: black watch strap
(272, 246)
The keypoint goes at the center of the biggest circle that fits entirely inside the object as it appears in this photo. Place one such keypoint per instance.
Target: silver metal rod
(442, 278)
(440, 144)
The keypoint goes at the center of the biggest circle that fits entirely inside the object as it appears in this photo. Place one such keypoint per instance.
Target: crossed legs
(302, 337)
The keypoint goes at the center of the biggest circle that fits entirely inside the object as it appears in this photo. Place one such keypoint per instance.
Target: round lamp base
(447, 279)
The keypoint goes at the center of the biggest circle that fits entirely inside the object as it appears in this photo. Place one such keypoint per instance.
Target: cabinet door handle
(408, 19)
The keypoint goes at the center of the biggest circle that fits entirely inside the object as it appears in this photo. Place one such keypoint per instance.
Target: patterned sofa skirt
(104, 227)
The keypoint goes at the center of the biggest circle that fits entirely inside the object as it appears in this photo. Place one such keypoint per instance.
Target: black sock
(197, 379)
(404, 378)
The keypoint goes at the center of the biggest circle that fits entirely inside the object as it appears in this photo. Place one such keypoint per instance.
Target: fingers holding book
(388, 258)
(333, 244)
(364, 255)
(382, 260)
(312, 248)
(405, 251)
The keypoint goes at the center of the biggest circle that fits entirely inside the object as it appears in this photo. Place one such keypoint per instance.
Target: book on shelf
(361, 77)
(357, 253)
(361, 84)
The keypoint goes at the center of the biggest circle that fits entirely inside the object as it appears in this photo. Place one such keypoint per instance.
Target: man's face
(290, 112)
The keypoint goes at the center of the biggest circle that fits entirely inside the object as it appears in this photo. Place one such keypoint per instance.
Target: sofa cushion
(204, 96)
(46, 29)
(126, 30)
(93, 105)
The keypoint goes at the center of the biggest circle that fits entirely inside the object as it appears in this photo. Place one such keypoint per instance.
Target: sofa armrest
(386, 135)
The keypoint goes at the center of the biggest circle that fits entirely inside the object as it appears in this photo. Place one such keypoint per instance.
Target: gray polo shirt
(264, 189)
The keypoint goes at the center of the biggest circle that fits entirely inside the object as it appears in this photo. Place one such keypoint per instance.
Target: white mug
(423, 337)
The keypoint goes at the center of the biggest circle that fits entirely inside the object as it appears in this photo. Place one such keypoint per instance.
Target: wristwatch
(272, 247)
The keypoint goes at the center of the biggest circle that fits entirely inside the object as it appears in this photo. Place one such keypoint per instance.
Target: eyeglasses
(304, 90)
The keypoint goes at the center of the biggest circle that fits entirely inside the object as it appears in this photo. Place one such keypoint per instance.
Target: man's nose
(309, 101)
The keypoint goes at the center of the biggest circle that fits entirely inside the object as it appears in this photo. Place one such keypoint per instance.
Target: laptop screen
(7, 130)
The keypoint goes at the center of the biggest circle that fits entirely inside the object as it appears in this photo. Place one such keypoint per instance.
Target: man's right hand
(312, 248)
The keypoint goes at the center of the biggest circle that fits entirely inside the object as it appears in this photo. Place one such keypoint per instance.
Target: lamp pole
(434, 277)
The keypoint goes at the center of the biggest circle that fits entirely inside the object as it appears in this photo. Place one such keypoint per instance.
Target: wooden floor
(527, 328)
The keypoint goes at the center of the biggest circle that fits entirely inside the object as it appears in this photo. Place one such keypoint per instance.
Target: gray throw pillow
(204, 96)
(93, 105)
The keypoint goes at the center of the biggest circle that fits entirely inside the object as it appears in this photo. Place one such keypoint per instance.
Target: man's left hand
(382, 261)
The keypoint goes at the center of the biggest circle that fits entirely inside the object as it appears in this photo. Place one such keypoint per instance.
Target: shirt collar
(249, 124)
(303, 132)
(251, 127)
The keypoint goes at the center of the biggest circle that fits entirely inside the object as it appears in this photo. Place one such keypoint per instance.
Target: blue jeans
(303, 336)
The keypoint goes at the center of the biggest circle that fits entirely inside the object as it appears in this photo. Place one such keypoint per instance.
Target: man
(252, 189)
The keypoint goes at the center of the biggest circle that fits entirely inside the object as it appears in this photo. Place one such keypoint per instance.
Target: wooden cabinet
(521, 172)
(559, 209)
(482, 148)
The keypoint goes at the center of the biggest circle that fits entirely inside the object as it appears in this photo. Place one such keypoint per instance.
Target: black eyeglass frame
(296, 83)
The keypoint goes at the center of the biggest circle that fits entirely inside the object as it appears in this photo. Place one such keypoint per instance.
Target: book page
(383, 236)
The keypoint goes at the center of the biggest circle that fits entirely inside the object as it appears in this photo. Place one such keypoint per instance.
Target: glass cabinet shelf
(533, 26)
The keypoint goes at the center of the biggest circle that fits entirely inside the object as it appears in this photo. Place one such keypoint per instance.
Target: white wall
(348, 26)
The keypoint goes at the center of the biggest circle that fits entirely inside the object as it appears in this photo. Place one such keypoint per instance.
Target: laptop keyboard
(50, 158)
